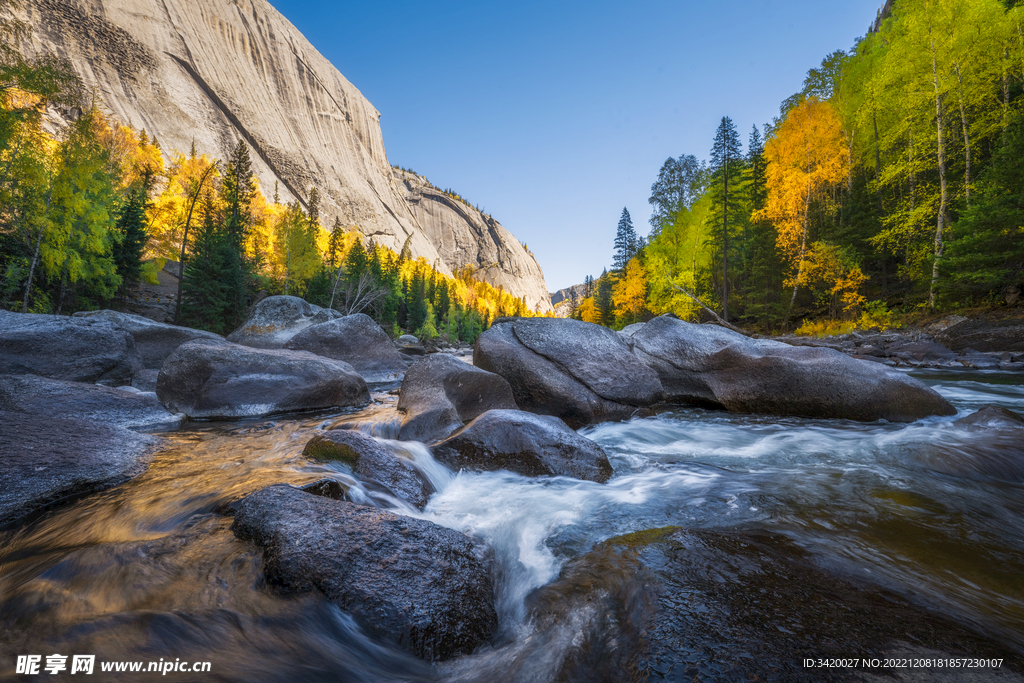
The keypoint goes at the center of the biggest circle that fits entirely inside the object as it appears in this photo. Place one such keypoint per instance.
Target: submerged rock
(580, 372)
(218, 379)
(713, 366)
(440, 394)
(357, 340)
(987, 444)
(524, 443)
(154, 341)
(410, 581)
(46, 460)
(989, 416)
(370, 460)
(72, 349)
(46, 397)
(277, 319)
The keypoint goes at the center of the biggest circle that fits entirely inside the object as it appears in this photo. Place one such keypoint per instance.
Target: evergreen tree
(603, 300)
(132, 236)
(626, 241)
(204, 292)
(726, 165)
(238, 188)
(335, 245)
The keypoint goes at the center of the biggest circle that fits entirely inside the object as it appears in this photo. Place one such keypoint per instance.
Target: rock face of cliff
(216, 71)
(465, 236)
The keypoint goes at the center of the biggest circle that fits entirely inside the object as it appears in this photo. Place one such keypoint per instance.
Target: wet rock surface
(46, 397)
(357, 340)
(441, 393)
(73, 349)
(406, 580)
(221, 380)
(683, 605)
(47, 460)
(154, 341)
(711, 365)
(577, 371)
(276, 319)
(371, 460)
(984, 336)
(987, 444)
(524, 443)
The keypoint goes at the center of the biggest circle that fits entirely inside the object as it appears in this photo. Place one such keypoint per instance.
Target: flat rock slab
(357, 340)
(276, 319)
(711, 365)
(548, 386)
(371, 460)
(982, 335)
(524, 443)
(220, 380)
(46, 460)
(79, 401)
(410, 581)
(441, 393)
(154, 341)
(72, 349)
(687, 605)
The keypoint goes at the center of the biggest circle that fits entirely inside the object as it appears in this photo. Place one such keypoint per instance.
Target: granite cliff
(216, 71)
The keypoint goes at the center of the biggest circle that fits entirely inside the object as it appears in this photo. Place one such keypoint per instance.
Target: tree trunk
(878, 164)
(941, 144)
(967, 136)
(32, 272)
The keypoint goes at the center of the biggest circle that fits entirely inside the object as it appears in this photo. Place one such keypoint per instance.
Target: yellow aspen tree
(630, 292)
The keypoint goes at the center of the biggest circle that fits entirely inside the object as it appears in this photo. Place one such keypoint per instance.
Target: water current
(151, 569)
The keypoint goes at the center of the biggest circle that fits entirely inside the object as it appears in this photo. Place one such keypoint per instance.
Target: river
(151, 569)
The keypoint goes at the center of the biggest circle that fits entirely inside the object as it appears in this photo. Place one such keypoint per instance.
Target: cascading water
(151, 569)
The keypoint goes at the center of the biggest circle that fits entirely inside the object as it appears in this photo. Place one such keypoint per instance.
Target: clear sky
(553, 116)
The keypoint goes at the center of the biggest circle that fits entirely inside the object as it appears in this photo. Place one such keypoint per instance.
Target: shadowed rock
(215, 379)
(370, 460)
(46, 397)
(410, 346)
(154, 341)
(276, 319)
(524, 443)
(711, 365)
(440, 394)
(983, 335)
(988, 443)
(577, 371)
(46, 460)
(406, 580)
(72, 349)
(357, 340)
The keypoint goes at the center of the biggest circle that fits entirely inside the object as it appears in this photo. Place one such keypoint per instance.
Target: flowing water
(151, 569)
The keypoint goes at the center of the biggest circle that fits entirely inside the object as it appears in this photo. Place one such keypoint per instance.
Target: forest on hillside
(893, 182)
(90, 207)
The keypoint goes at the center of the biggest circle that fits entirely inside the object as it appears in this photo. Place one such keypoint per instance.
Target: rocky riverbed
(674, 502)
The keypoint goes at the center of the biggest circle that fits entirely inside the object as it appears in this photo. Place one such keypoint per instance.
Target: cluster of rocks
(953, 342)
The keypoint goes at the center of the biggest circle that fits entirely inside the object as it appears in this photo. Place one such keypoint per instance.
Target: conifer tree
(726, 162)
(204, 290)
(626, 241)
(132, 236)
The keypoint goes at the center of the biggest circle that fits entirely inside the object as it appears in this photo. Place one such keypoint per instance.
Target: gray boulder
(410, 581)
(76, 400)
(46, 460)
(371, 460)
(524, 443)
(218, 379)
(410, 345)
(984, 335)
(987, 444)
(711, 365)
(989, 416)
(357, 340)
(580, 372)
(73, 349)
(440, 394)
(277, 319)
(154, 341)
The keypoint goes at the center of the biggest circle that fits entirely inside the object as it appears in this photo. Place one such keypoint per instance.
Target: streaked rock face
(216, 71)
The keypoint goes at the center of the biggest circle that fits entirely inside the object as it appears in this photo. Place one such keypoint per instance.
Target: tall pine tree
(626, 241)
(726, 165)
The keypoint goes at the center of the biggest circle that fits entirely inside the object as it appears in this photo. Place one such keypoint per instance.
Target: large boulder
(987, 444)
(441, 393)
(711, 365)
(410, 581)
(371, 461)
(218, 379)
(984, 335)
(524, 443)
(276, 319)
(154, 341)
(73, 349)
(46, 460)
(580, 372)
(46, 397)
(357, 340)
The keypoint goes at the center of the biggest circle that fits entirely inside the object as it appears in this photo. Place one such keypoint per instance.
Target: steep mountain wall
(464, 235)
(216, 71)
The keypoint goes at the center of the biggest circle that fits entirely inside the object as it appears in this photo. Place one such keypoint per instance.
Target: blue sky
(553, 116)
